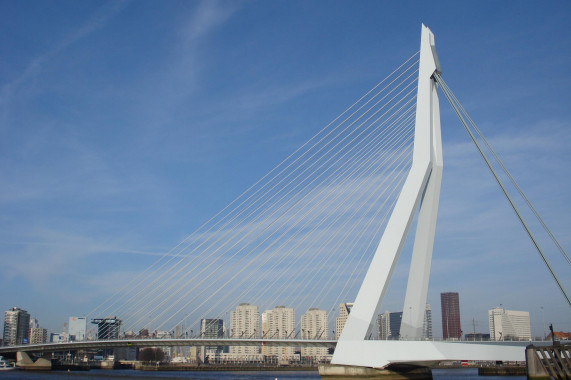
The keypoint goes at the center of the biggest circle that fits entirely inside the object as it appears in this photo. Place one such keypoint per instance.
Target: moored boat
(5, 366)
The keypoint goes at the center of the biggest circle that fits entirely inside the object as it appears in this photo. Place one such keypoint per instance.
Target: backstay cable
(462, 115)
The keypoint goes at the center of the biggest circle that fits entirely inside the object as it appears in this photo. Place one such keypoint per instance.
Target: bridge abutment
(392, 372)
(24, 362)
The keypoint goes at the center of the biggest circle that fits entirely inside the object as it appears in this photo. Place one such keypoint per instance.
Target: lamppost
(543, 321)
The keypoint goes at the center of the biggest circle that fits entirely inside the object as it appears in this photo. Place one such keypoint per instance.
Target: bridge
(324, 227)
(141, 343)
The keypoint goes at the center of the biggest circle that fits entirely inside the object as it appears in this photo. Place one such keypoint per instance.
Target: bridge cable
(511, 178)
(163, 301)
(204, 259)
(448, 93)
(122, 293)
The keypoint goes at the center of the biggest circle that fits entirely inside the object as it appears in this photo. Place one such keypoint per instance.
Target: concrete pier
(546, 362)
(393, 372)
(23, 361)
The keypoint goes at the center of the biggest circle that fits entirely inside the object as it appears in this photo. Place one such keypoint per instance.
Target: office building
(344, 310)
(281, 325)
(16, 327)
(77, 328)
(245, 322)
(211, 329)
(450, 304)
(314, 325)
(107, 328)
(389, 325)
(509, 324)
(56, 338)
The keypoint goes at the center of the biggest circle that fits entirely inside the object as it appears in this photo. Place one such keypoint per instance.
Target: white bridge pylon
(422, 186)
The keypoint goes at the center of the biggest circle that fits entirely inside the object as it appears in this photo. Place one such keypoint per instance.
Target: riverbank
(224, 368)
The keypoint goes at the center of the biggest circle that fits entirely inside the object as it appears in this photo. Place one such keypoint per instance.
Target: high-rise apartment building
(265, 331)
(344, 310)
(244, 323)
(281, 325)
(427, 325)
(389, 325)
(314, 325)
(77, 328)
(16, 327)
(450, 304)
(509, 324)
(38, 335)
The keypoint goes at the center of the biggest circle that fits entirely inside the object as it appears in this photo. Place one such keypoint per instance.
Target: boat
(5, 366)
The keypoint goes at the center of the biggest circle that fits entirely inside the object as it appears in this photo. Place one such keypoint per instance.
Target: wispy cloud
(206, 17)
(34, 68)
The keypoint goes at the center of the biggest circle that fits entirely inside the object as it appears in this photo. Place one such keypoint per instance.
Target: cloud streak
(34, 68)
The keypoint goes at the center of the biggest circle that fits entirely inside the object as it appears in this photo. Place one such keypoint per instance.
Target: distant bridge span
(96, 344)
(398, 351)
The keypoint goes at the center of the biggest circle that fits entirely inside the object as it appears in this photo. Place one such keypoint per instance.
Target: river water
(438, 374)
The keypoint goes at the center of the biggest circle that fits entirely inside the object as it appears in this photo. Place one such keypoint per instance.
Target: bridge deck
(55, 347)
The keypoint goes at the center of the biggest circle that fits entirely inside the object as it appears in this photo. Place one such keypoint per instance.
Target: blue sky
(126, 125)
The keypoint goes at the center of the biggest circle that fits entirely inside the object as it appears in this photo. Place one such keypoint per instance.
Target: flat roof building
(509, 324)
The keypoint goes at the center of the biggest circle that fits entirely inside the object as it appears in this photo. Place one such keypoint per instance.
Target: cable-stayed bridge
(324, 227)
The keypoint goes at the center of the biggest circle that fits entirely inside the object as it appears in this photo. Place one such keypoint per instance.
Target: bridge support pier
(392, 372)
(544, 363)
(24, 362)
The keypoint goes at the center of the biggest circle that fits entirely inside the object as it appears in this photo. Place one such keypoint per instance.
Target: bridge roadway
(96, 344)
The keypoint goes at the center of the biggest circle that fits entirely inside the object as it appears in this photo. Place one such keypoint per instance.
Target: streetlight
(543, 321)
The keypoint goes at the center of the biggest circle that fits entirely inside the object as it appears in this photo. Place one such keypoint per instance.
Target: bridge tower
(422, 186)
(355, 354)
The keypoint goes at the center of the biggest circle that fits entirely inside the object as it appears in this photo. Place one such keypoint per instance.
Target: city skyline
(118, 144)
(279, 323)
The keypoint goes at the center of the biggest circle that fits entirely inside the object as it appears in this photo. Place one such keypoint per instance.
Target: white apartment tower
(509, 324)
(265, 330)
(344, 310)
(314, 325)
(245, 323)
(281, 325)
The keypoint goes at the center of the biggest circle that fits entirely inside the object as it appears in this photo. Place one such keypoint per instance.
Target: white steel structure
(422, 186)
